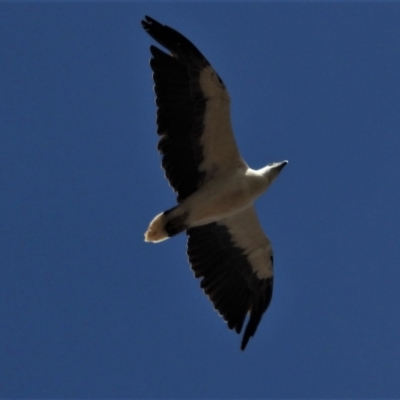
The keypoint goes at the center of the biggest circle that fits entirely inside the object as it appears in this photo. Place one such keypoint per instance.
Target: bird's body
(216, 188)
(222, 196)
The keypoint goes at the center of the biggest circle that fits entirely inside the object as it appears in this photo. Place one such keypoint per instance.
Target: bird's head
(271, 171)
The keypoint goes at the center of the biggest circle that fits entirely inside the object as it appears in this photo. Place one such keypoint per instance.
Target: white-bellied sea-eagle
(215, 187)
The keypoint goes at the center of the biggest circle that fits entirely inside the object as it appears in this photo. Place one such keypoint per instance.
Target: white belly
(223, 197)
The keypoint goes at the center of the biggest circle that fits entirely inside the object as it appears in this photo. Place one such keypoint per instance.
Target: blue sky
(90, 310)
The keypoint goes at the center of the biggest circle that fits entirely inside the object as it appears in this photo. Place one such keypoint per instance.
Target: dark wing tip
(257, 310)
(250, 329)
(174, 41)
(148, 22)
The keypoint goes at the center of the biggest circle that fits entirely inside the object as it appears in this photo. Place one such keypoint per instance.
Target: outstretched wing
(234, 259)
(193, 115)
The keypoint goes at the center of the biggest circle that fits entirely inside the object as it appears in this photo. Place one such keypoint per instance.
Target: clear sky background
(90, 310)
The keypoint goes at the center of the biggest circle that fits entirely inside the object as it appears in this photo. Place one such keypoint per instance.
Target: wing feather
(234, 259)
(193, 115)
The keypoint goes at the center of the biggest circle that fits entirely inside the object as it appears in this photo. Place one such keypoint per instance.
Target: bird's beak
(281, 165)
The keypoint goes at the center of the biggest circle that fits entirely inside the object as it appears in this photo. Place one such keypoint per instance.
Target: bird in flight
(215, 188)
